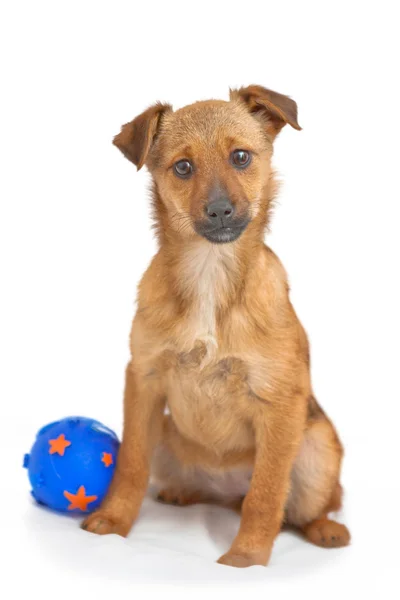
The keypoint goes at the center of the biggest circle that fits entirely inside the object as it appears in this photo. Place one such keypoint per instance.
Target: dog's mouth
(222, 234)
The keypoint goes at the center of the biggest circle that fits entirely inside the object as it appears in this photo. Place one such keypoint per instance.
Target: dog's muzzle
(221, 224)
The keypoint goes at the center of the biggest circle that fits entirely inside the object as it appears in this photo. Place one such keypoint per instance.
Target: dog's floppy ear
(275, 109)
(136, 137)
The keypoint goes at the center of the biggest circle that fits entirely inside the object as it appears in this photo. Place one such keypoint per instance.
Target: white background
(75, 238)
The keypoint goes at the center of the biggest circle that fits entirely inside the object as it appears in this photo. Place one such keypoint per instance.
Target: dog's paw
(243, 560)
(103, 523)
(170, 496)
(327, 533)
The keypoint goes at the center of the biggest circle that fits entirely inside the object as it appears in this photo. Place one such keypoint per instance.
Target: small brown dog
(216, 339)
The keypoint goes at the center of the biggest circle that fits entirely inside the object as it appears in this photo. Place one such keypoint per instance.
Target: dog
(218, 402)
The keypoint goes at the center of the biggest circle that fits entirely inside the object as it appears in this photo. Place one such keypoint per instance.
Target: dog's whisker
(185, 226)
(181, 222)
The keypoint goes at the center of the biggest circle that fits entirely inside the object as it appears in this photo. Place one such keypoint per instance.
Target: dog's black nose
(220, 212)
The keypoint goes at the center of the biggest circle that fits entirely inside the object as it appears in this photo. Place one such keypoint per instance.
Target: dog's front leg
(143, 413)
(278, 431)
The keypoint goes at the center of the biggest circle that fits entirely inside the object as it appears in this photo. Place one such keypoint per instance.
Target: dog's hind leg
(315, 488)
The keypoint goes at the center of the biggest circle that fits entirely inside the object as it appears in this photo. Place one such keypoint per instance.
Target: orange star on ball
(107, 459)
(58, 445)
(79, 500)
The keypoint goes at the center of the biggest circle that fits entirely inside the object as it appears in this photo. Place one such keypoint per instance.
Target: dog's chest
(207, 387)
(207, 379)
(207, 398)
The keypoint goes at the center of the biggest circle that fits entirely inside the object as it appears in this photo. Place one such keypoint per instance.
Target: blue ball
(71, 464)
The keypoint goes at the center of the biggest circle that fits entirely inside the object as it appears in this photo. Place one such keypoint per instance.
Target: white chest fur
(206, 277)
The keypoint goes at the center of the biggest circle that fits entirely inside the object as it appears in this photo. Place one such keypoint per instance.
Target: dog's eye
(240, 158)
(183, 169)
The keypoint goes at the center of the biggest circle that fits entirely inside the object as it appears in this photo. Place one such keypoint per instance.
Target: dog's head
(210, 161)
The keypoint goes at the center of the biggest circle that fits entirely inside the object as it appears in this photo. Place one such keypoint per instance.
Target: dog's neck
(206, 270)
(209, 279)
(204, 278)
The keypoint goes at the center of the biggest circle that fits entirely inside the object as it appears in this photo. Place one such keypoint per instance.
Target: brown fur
(216, 339)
